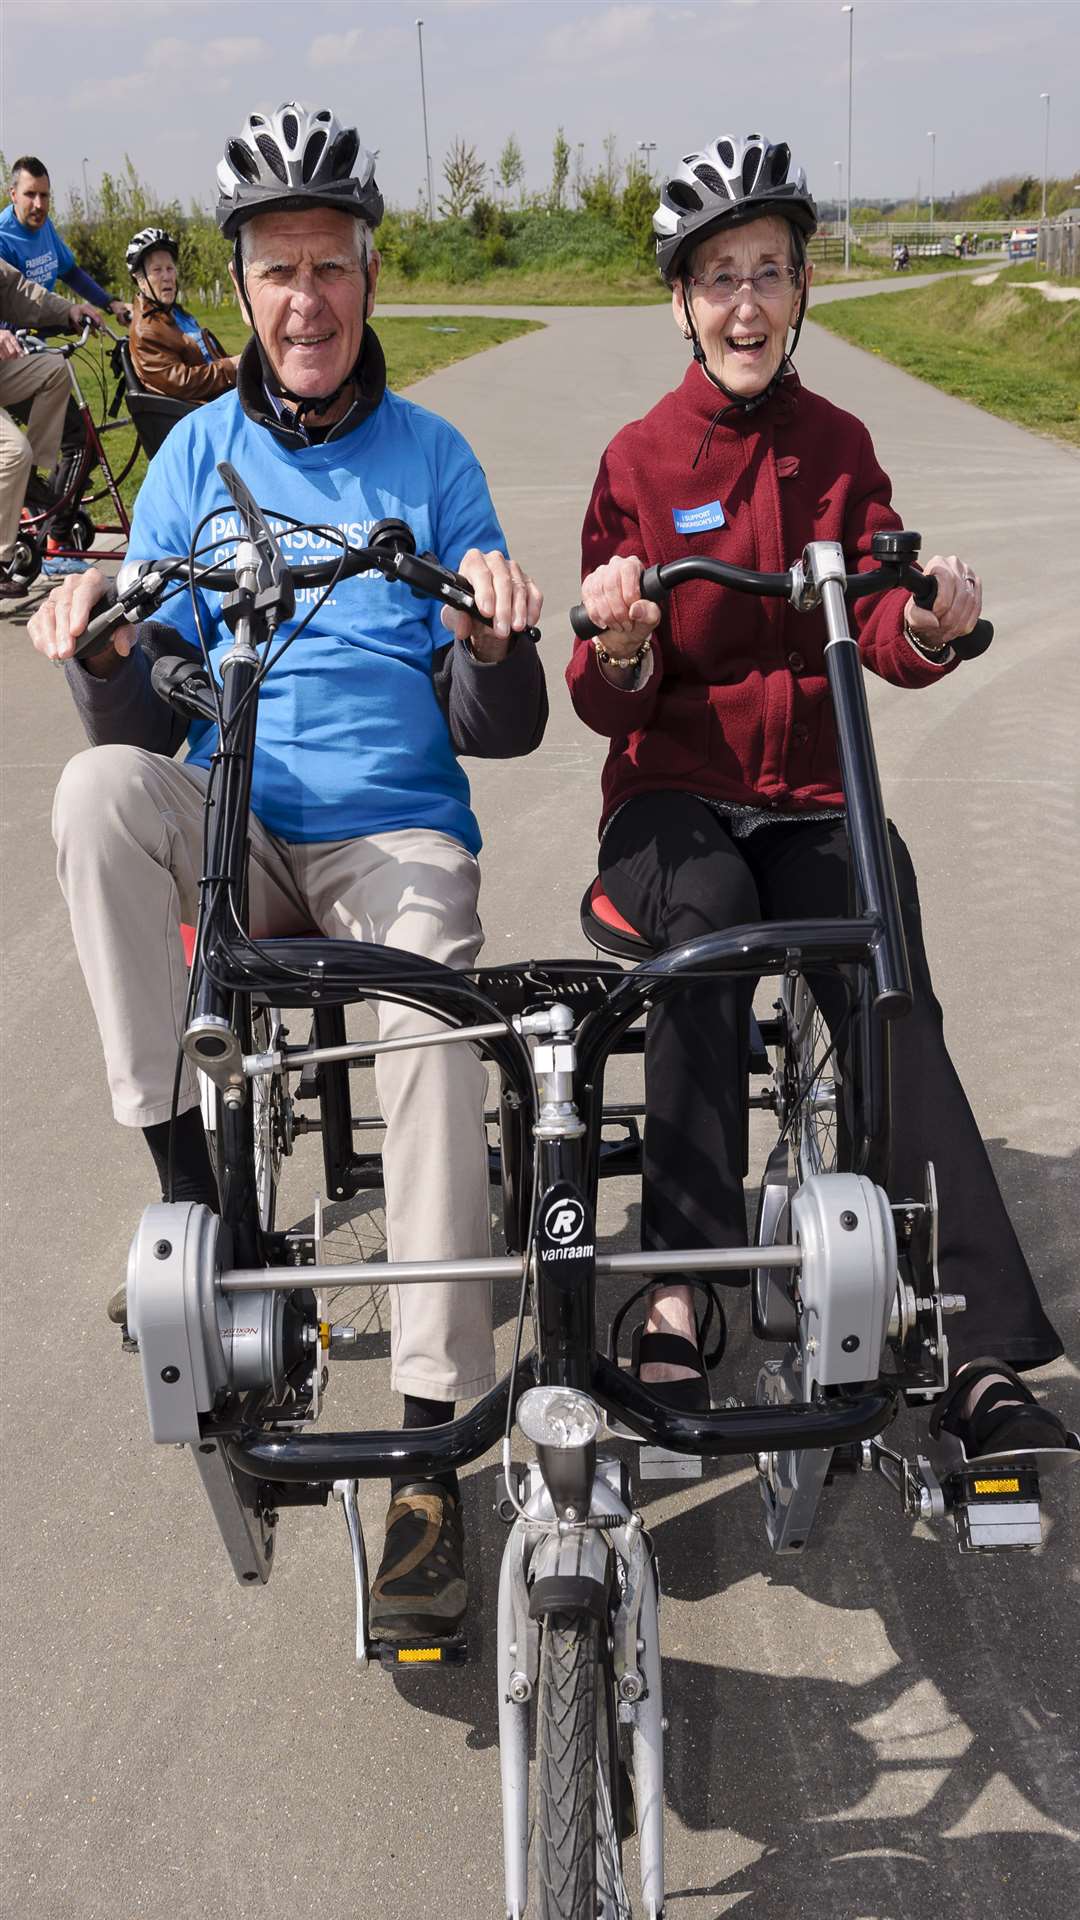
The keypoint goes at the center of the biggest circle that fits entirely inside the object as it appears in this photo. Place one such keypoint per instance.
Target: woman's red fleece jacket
(737, 705)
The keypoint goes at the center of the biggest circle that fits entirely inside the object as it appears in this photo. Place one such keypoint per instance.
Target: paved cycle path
(878, 1728)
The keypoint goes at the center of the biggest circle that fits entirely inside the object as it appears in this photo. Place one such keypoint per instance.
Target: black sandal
(1006, 1417)
(687, 1396)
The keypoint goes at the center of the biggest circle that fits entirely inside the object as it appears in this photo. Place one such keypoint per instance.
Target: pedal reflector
(999, 1510)
(438, 1653)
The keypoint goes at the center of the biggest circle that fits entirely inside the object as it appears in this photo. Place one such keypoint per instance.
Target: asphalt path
(879, 1728)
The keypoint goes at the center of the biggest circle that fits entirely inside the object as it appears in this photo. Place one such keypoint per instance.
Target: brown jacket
(24, 304)
(169, 361)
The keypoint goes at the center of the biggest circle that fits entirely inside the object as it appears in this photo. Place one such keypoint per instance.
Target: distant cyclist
(170, 352)
(36, 386)
(31, 243)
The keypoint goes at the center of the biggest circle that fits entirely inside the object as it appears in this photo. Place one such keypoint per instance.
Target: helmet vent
(683, 197)
(713, 180)
(726, 152)
(271, 153)
(342, 154)
(290, 127)
(750, 168)
(779, 164)
(313, 154)
(241, 161)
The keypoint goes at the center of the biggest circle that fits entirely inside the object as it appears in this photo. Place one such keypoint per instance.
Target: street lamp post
(423, 109)
(1046, 150)
(85, 187)
(647, 147)
(850, 11)
(839, 165)
(932, 137)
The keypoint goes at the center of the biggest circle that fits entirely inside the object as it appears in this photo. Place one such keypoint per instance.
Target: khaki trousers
(41, 379)
(128, 830)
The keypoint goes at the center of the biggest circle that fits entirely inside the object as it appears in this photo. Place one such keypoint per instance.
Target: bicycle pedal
(996, 1506)
(452, 1652)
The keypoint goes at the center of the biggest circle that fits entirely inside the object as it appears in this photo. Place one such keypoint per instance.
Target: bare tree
(463, 171)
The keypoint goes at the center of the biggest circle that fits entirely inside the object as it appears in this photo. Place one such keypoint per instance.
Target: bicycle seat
(604, 927)
(153, 415)
(187, 935)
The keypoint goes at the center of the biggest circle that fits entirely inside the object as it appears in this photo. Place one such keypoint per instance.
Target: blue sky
(167, 80)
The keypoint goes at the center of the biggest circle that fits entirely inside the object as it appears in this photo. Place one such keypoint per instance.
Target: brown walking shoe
(419, 1590)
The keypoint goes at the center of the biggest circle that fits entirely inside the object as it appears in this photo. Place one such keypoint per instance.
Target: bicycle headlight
(562, 1425)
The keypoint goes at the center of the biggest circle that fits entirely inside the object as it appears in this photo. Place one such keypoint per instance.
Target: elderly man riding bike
(722, 797)
(361, 816)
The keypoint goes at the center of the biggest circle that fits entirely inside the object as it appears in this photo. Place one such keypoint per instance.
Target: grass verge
(1000, 347)
(413, 348)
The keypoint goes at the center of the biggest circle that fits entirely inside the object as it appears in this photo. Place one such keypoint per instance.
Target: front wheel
(582, 1786)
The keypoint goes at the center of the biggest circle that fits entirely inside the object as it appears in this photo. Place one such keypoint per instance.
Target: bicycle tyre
(270, 1119)
(566, 1767)
(813, 1131)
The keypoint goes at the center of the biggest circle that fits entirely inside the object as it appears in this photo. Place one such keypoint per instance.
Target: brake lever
(137, 602)
(430, 580)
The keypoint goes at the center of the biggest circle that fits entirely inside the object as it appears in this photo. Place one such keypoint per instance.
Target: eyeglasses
(768, 283)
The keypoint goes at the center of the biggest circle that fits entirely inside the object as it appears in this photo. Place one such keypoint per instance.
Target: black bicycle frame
(231, 973)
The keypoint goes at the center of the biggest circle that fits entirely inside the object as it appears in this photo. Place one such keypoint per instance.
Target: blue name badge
(698, 519)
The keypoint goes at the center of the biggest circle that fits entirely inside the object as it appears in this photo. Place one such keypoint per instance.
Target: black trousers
(672, 868)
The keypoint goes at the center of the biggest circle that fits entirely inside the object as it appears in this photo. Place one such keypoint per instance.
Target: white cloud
(617, 30)
(360, 44)
(234, 52)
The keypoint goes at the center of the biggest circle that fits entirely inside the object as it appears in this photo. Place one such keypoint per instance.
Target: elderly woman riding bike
(170, 351)
(722, 801)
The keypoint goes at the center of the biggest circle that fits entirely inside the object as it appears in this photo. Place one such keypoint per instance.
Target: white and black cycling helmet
(735, 179)
(293, 158)
(148, 240)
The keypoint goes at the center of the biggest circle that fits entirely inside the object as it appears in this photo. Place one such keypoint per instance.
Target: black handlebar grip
(108, 615)
(583, 626)
(970, 645)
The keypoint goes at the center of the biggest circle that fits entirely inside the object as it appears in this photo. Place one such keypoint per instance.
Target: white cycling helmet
(148, 240)
(293, 158)
(731, 181)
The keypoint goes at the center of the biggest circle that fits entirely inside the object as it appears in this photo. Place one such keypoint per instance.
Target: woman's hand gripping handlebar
(630, 597)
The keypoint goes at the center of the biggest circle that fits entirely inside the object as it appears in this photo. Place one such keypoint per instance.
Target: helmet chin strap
(299, 405)
(149, 296)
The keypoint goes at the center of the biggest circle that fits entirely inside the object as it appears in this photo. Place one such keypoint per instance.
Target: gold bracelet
(624, 664)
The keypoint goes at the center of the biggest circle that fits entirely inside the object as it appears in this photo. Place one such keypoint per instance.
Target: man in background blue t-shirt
(30, 242)
(361, 820)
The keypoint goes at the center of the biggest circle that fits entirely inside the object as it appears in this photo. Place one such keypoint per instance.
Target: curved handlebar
(420, 571)
(658, 582)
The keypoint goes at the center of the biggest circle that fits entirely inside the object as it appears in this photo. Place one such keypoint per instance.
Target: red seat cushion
(609, 915)
(187, 935)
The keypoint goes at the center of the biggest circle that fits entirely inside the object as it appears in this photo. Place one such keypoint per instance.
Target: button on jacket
(737, 705)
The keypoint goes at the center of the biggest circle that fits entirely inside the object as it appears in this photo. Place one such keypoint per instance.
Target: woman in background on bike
(722, 800)
(170, 352)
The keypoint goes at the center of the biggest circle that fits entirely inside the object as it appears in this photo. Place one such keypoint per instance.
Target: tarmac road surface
(877, 1729)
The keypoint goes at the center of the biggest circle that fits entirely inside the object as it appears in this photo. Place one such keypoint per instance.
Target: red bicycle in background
(66, 527)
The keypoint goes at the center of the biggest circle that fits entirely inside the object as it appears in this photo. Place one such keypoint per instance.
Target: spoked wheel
(271, 1118)
(810, 1082)
(583, 1786)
